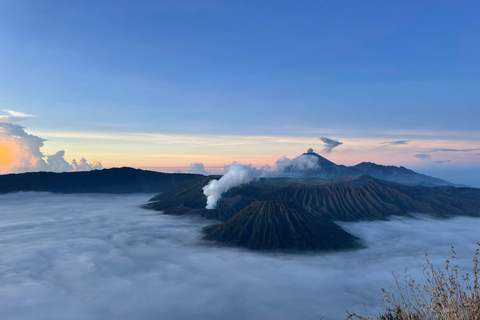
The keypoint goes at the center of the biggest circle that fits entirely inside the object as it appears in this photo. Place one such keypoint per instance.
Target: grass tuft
(445, 295)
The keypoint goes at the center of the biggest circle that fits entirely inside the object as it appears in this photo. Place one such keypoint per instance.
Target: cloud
(236, 175)
(397, 142)
(422, 156)
(198, 168)
(102, 257)
(453, 150)
(14, 117)
(329, 144)
(21, 152)
(442, 161)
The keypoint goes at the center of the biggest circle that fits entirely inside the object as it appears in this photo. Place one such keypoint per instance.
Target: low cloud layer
(21, 152)
(102, 257)
(422, 156)
(330, 144)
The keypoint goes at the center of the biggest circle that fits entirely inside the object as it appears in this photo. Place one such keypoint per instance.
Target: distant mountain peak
(322, 161)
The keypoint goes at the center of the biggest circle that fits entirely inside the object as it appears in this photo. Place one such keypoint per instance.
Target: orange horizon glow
(8, 153)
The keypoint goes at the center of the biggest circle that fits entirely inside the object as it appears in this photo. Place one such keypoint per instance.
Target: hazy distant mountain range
(324, 168)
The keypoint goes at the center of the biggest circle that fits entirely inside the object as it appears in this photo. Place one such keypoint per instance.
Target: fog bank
(102, 257)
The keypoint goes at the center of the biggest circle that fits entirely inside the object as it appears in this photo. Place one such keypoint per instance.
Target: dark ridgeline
(343, 199)
(276, 225)
(366, 198)
(116, 180)
(296, 214)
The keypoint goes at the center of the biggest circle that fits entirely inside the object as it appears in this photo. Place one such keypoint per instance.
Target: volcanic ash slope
(276, 225)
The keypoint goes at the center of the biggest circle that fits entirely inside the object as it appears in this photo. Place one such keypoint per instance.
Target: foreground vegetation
(445, 295)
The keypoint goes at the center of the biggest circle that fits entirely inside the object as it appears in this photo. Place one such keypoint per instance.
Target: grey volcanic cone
(276, 225)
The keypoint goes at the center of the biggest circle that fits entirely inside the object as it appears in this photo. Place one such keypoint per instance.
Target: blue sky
(355, 70)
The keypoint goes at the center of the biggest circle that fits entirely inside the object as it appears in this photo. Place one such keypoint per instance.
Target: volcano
(313, 165)
(277, 225)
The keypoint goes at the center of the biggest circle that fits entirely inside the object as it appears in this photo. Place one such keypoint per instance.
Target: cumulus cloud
(198, 168)
(102, 257)
(422, 156)
(329, 144)
(394, 143)
(21, 152)
(236, 175)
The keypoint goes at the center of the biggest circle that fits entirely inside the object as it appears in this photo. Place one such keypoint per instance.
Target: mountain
(189, 198)
(311, 164)
(115, 180)
(399, 174)
(366, 198)
(275, 225)
(344, 199)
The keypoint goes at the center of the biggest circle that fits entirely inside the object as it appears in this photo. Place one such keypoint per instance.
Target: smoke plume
(236, 175)
(329, 144)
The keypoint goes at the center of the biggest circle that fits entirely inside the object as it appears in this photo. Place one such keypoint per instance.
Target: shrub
(445, 295)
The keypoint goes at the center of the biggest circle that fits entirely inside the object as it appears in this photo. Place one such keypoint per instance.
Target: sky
(165, 84)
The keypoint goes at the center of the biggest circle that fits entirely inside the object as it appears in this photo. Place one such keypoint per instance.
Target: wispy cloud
(454, 150)
(14, 117)
(422, 156)
(442, 161)
(397, 142)
(330, 144)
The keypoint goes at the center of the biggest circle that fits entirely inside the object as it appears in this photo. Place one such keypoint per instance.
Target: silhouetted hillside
(275, 225)
(367, 198)
(345, 199)
(115, 180)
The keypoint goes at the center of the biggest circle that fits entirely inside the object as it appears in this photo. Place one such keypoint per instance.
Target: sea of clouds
(103, 257)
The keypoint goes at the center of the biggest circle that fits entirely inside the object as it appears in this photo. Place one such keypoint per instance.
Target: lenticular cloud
(21, 152)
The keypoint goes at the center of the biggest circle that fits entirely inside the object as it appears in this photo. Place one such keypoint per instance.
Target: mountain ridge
(276, 225)
(113, 180)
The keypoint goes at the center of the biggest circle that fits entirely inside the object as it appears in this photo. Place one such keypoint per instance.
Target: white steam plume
(236, 175)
